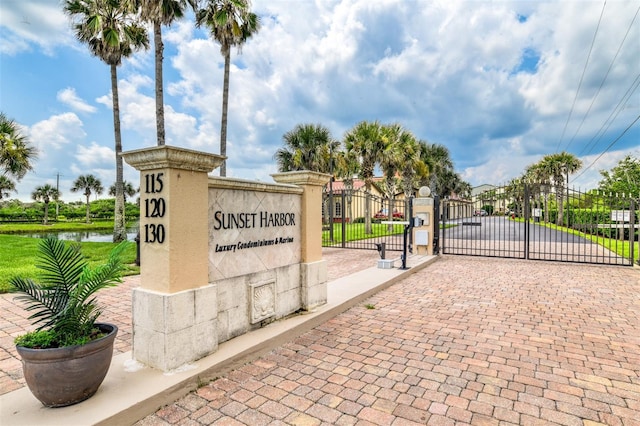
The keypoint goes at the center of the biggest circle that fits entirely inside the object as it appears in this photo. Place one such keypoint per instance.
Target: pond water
(82, 236)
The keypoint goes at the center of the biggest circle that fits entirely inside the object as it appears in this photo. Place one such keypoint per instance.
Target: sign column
(174, 309)
(313, 270)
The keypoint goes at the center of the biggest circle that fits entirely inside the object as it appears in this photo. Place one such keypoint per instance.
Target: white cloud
(34, 22)
(56, 132)
(451, 72)
(94, 155)
(69, 97)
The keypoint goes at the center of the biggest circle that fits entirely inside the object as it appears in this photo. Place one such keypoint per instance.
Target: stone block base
(170, 330)
(313, 283)
(386, 263)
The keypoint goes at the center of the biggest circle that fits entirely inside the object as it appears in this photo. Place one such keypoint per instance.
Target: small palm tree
(88, 184)
(6, 187)
(64, 304)
(537, 176)
(231, 24)
(307, 147)
(127, 189)
(110, 30)
(45, 193)
(365, 142)
(347, 166)
(16, 153)
(438, 161)
(558, 167)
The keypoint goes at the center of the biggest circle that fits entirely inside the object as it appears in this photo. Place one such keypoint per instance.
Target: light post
(567, 171)
(331, 192)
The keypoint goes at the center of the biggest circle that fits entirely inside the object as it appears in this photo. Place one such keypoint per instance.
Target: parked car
(384, 214)
(480, 213)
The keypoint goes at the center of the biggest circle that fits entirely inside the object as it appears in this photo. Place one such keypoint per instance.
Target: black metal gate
(353, 219)
(541, 223)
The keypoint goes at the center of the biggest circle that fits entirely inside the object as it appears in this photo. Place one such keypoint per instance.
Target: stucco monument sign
(220, 256)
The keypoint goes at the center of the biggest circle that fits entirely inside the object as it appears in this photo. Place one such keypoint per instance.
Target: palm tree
(307, 147)
(463, 189)
(88, 184)
(158, 13)
(16, 153)
(537, 175)
(558, 167)
(127, 189)
(347, 167)
(231, 23)
(110, 30)
(450, 182)
(515, 191)
(6, 186)
(412, 169)
(438, 161)
(390, 159)
(45, 193)
(365, 142)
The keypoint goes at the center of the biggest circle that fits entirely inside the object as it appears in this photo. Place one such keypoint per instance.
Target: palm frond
(37, 299)
(60, 265)
(65, 301)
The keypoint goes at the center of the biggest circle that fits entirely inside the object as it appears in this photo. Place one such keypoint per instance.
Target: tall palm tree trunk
(367, 208)
(88, 211)
(546, 206)
(119, 228)
(560, 207)
(225, 110)
(46, 213)
(157, 40)
(391, 190)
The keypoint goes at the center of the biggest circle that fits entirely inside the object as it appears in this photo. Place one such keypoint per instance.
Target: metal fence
(537, 222)
(353, 219)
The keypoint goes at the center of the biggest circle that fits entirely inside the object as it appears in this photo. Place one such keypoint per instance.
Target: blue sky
(495, 82)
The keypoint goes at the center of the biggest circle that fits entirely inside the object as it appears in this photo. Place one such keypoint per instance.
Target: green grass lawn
(18, 256)
(32, 228)
(355, 231)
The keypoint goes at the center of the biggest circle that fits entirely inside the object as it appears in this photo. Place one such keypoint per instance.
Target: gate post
(313, 269)
(423, 234)
(174, 309)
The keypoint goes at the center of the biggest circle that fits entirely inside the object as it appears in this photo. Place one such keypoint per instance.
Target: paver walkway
(465, 341)
(117, 310)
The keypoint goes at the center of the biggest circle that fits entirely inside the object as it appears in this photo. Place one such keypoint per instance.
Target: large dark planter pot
(64, 376)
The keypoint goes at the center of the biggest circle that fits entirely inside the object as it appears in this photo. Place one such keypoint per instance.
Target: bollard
(137, 240)
(381, 249)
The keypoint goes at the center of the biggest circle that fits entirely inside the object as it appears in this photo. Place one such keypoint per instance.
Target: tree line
(405, 162)
(87, 185)
(549, 178)
(59, 211)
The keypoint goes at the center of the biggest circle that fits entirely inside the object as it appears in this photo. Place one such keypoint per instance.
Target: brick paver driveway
(465, 341)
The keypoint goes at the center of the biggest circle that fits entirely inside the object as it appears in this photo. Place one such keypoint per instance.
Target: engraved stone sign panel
(252, 230)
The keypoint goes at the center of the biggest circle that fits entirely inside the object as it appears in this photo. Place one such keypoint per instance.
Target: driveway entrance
(588, 228)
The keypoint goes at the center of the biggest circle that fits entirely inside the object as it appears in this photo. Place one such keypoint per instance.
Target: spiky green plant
(64, 302)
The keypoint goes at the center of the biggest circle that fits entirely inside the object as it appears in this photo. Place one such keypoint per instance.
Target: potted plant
(68, 355)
